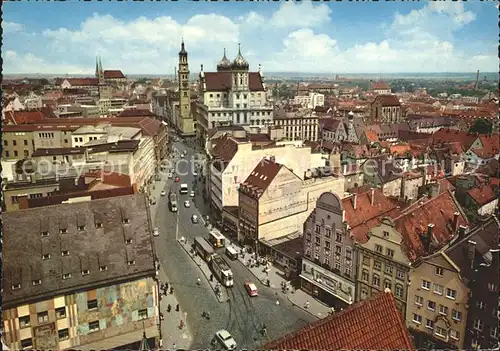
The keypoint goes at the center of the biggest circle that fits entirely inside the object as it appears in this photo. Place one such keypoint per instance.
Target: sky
(286, 36)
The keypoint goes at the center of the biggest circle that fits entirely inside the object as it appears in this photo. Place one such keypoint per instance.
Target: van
(231, 253)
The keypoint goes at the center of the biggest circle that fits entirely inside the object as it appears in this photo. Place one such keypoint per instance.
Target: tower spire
(96, 67)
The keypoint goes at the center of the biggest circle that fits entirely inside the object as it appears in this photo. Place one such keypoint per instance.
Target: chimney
(372, 198)
(456, 215)
(354, 200)
(471, 251)
(428, 237)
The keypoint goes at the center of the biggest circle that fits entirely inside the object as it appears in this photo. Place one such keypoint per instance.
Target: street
(242, 315)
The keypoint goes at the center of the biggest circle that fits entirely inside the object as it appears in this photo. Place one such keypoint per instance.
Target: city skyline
(306, 37)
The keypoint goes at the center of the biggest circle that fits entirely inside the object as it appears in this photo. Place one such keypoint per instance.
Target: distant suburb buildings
(79, 275)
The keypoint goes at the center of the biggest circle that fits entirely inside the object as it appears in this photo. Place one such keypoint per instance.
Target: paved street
(242, 316)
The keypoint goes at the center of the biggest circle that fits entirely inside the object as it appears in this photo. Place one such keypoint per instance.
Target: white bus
(184, 189)
(222, 271)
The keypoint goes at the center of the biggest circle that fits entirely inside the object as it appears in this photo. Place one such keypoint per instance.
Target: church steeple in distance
(96, 67)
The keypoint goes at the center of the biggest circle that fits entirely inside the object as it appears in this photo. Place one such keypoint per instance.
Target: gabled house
(386, 109)
(333, 130)
(382, 172)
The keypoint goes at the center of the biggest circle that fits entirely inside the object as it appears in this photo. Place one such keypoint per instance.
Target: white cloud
(293, 38)
(12, 27)
(300, 14)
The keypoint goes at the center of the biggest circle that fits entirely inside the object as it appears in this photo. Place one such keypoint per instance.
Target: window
(439, 271)
(7, 155)
(143, 314)
(24, 321)
(63, 231)
(456, 315)
(337, 265)
(454, 334)
(85, 272)
(376, 280)
(98, 225)
(429, 323)
(64, 253)
(388, 269)
(338, 250)
(328, 232)
(63, 334)
(364, 275)
(400, 274)
(377, 265)
(131, 262)
(386, 234)
(66, 276)
(103, 268)
(15, 153)
(5, 143)
(481, 305)
(451, 294)
(36, 282)
(438, 289)
(317, 229)
(94, 326)
(348, 253)
(426, 284)
(348, 270)
(494, 332)
(417, 318)
(45, 256)
(440, 332)
(366, 260)
(443, 310)
(26, 153)
(128, 241)
(125, 221)
(378, 248)
(26, 343)
(419, 300)
(478, 325)
(390, 253)
(16, 286)
(45, 234)
(492, 287)
(399, 291)
(387, 284)
(338, 237)
(61, 312)
(91, 304)
(81, 228)
(14, 142)
(43, 317)
(431, 305)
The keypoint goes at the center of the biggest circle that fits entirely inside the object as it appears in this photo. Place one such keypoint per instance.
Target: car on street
(187, 203)
(191, 193)
(251, 289)
(156, 232)
(195, 173)
(194, 219)
(163, 193)
(177, 179)
(170, 175)
(152, 201)
(225, 339)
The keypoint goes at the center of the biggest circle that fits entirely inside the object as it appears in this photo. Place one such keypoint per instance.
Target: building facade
(302, 125)
(329, 263)
(386, 109)
(232, 96)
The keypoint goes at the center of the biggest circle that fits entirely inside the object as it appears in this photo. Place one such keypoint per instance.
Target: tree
(482, 126)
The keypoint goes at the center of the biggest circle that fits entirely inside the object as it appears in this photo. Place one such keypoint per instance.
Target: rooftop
(56, 250)
(222, 81)
(355, 328)
(261, 177)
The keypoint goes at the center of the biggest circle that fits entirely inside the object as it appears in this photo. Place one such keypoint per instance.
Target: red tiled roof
(221, 81)
(371, 136)
(413, 223)
(399, 150)
(482, 195)
(24, 117)
(387, 100)
(136, 113)
(371, 324)
(224, 147)
(366, 216)
(453, 135)
(380, 86)
(113, 74)
(82, 81)
(261, 177)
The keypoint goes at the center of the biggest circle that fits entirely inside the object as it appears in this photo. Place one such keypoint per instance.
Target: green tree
(482, 126)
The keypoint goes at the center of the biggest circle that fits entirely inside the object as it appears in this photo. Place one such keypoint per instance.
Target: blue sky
(335, 37)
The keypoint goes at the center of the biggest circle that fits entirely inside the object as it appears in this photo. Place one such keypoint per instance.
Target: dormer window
(16, 286)
(131, 262)
(45, 256)
(103, 268)
(63, 231)
(64, 253)
(128, 241)
(66, 276)
(36, 282)
(98, 225)
(45, 234)
(85, 272)
(126, 221)
(81, 228)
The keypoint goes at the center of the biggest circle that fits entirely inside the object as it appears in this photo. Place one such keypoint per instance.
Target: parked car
(191, 193)
(156, 232)
(170, 175)
(251, 289)
(194, 219)
(163, 193)
(225, 339)
(187, 203)
(177, 179)
(195, 173)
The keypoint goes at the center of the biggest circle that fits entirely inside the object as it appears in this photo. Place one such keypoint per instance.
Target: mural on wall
(116, 304)
(45, 337)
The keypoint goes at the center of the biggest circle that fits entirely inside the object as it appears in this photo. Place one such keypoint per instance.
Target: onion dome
(224, 64)
(239, 62)
(183, 49)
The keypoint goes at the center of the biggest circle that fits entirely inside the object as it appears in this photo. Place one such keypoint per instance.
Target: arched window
(376, 280)
(399, 291)
(387, 284)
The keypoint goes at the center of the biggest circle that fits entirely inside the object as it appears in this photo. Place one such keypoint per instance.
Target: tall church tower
(99, 71)
(185, 121)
